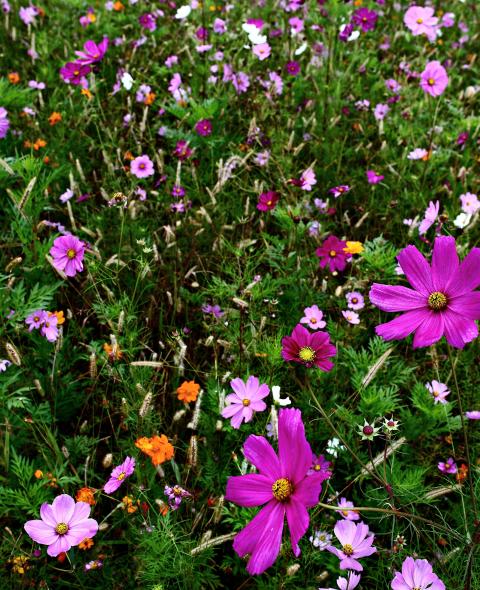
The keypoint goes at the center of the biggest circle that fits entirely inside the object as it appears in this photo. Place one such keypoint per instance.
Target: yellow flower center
(71, 253)
(121, 476)
(437, 301)
(142, 166)
(317, 468)
(306, 354)
(345, 512)
(436, 394)
(61, 528)
(269, 203)
(347, 549)
(282, 489)
(419, 21)
(313, 320)
(246, 402)
(431, 82)
(332, 253)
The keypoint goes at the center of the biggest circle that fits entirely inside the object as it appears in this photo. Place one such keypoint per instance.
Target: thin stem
(465, 436)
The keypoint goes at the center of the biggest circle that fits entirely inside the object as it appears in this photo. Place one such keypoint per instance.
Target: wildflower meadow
(239, 294)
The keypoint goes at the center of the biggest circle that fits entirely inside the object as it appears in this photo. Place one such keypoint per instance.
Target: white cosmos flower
(276, 397)
(183, 12)
(254, 34)
(127, 81)
(301, 49)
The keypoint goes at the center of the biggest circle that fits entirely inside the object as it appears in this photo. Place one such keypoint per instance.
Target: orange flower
(128, 504)
(27, 143)
(60, 317)
(150, 98)
(188, 391)
(39, 144)
(114, 353)
(86, 495)
(91, 17)
(462, 473)
(87, 543)
(14, 77)
(86, 92)
(354, 248)
(118, 6)
(157, 448)
(54, 118)
(38, 474)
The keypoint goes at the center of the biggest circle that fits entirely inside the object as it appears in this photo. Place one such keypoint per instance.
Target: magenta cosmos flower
(4, 123)
(420, 20)
(442, 302)
(356, 543)
(67, 253)
(64, 524)
(92, 52)
(473, 415)
(246, 400)
(268, 201)
(365, 18)
(332, 254)
(204, 127)
(417, 574)
(434, 79)
(449, 466)
(282, 484)
(142, 167)
(74, 72)
(311, 350)
(119, 475)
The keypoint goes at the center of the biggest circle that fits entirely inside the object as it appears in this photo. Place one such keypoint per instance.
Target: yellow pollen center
(431, 82)
(419, 21)
(177, 491)
(347, 549)
(332, 253)
(435, 394)
(282, 489)
(313, 320)
(246, 402)
(269, 203)
(71, 253)
(306, 354)
(121, 476)
(437, 301)
(345, 512)
(142, 166)
(61, 528)
(76, 72)
(354, 300)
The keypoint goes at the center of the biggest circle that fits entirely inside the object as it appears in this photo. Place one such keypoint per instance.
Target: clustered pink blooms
(64, 524)
(68, 253)
(416, 574)
(247, 399)
(282, 484)
(310, 350)
(119, 475)
(44, 321)
(75, 72)
(443, 301)
(356, 542)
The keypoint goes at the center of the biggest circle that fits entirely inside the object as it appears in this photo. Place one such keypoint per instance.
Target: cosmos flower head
(351, 316)
(310, 350)
(281, 486)
(268, 201)
(355, 300)
(142, 167)
(430, 216)
(175, 495)
(92, 53)
(320, 539)
(356, 541)
(420, 20)
(245, 401)
(448, 466)
(332, 254)
(442, 302)
(188, 391)
(119, 475)
(373, 177)
(204, 127)
(339, 190)
(439, 391)
(75, 72)
(434, 79)
(416, 574)
(313, 318)
(347, 511)
(68, 253)
(4, 123)
(156, 447)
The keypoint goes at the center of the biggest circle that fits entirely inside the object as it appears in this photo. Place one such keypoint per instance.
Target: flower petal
(81, 512)
(467, 305)
(262, 538)
(293, 449)
(459, 330)
(396, 298)
(297, 519)
(249, 490)
(59, 546)
(401, 326)
(40, 532)
(416, 269)
(445, 262)
(46, 514)
(308, 490)
(468, 277)
(430, 330)
(63, 507)
(259, 452)
(87, 528)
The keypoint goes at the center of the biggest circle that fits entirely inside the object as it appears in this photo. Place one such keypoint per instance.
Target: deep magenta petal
(261, 538)
(459, 330)
(416, 269)
(445, 262)
(402, 326)
(396, 298)
(468, 277)
(467, 305)
(308, 490)
(293, 449)
(249, 490)
(258, 451)
(430, 330)
(298, 520)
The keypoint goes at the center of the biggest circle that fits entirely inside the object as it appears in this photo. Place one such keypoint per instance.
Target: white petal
(183, 12)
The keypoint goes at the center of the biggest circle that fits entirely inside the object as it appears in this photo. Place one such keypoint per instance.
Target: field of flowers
(238, 301)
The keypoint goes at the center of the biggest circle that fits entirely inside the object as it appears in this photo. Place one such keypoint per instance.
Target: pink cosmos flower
(442, 302)
(337, 191)
(351, 316)
(420, 20)
(356, 542)
(470, 203)
(439, 391)
(267, 201)
(332, 254)
(49, 328)
(119, 474)
(431, 214)
(74, 72)
(434, 79)
(365, 18)
(246, 400)
(355, 300)
(293, 68)
(417, 154)
(64, 524)
(36, 319)
(349, 583)
(282, 484)
(204, 127)
(320, 466)
(4, 123)
(449, 466)
(313, 318)
(67, 253)
(417, 574)
(373, 177)
(311, 350)
(92, 52)
(307, 179)
(142, 167)
(381, 111)
(348, 514)
(28, 14)
(473, 415)
(262, 51)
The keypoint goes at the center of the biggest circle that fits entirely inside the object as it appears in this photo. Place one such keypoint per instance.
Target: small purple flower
(4, 364)
(148, 21)
(351, 316)
(356, 541)
(178, 191)
(268, 201)
(247, 399)
(67, 253)
(36, 319)
(74, 72)
(64, 524)
(365, 18)
(348, 511)
(28, 14)
(92, 52)
(434, 79)
(4, 122)
(373, 177)
(339, 190)
(119, 474)
(448, 467)
(213, 309)
(293, 68)
(417, 574)
(473, 415)
(430, 217)
(182, 150)
(355, 300)
(381, 111)
(204, 127)
(320, 466)
(175, 496)
(49, 328)
(439, 391)
(142, 167)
